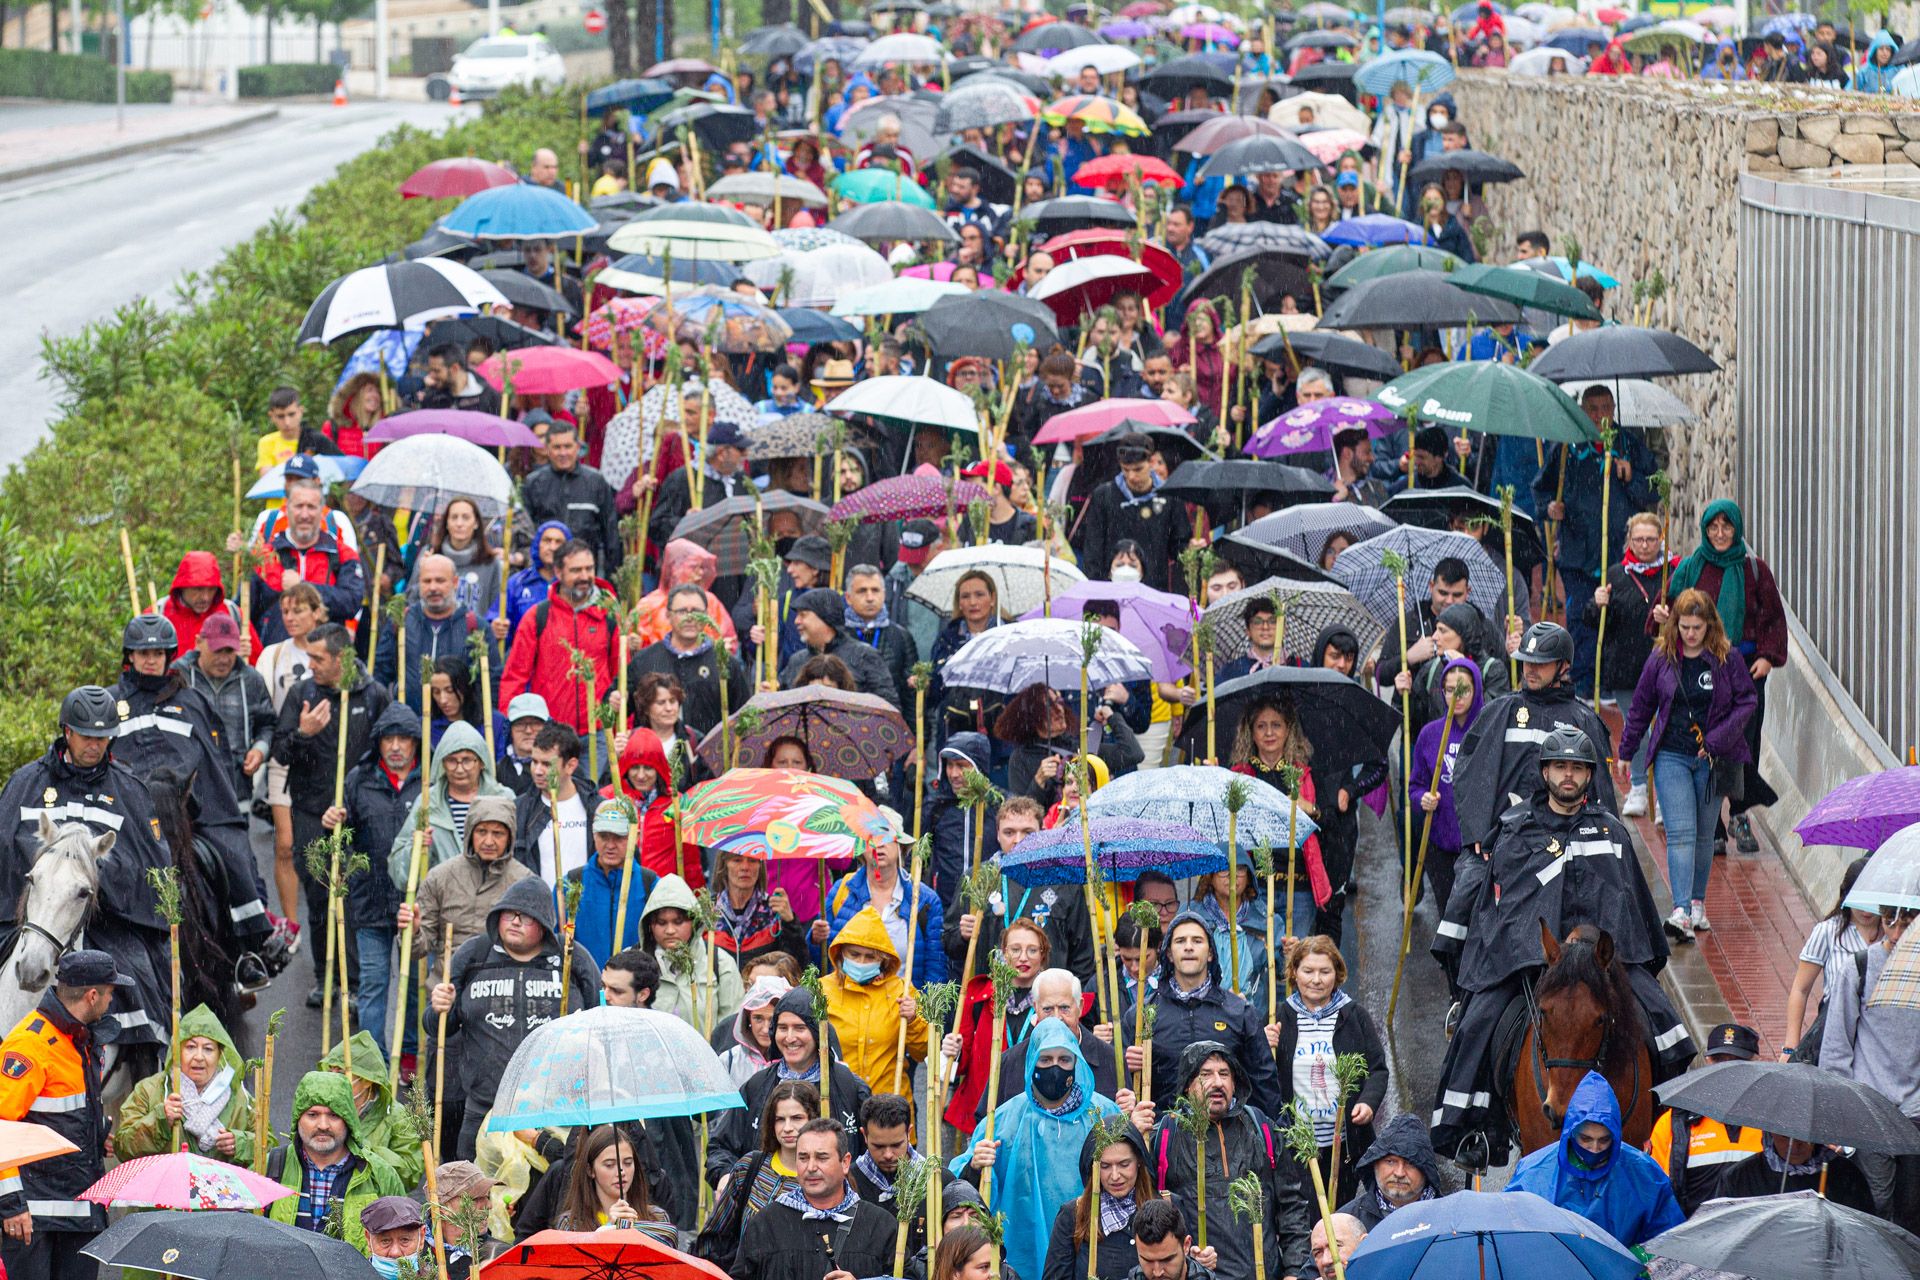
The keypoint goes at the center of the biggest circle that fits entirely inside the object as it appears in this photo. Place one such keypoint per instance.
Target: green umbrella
(1526, 289)
(871, 186)
(1375, 263)
(1490, 396)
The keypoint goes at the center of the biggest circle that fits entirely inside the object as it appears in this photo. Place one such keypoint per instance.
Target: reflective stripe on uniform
(1671, 1036)
(133, 1020)
(248, 912)
(1464, 1101)
(74, 809)
(1535, 736)
(60, 1208)
(10, 1185)
(166, 724)
(1724, 1155)
(1448, 929)
(1577, 849)
(71, 1102)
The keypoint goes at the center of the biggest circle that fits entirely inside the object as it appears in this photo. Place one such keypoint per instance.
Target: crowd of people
(492, 715)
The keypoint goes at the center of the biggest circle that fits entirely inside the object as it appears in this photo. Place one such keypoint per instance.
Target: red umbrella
(1099, 172)
(1109, 240)
(1143, 9)
(597, 1255)
(455, 177)
(548, 371)
(1073, 289)
(1090, 420)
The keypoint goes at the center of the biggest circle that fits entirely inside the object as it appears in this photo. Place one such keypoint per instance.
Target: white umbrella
(1043, 651)
(821, 276)
(420, 473)
(918, 400)
(707, 232)
(1538, 62)
(904, 296)
(1080, 271)
(902, 46)
(1638, 402)
(764, 188)
(1328, 109)
(1107, 59)
(1019, 573)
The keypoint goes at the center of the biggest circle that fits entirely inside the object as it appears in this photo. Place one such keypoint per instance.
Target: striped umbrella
(1098, 113)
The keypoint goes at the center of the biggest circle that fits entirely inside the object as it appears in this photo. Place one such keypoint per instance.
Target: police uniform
(1695, 1150)
(50, 1075)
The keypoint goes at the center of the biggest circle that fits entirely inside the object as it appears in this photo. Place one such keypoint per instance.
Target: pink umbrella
(911, 497)
(548, 371)
(183, 1180)
(1158, 622)
(456, 176)
(1090, 420)
(1328, 145)
(488, 429)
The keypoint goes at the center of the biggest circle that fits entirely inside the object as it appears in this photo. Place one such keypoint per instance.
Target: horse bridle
(59, 948)
(1536, 1023)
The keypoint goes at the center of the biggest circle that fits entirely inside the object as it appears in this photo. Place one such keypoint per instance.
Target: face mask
(1052, 1082)
(389, 1268)
(1586, 1160)
(861, 970)
(1126, 573)
(1437, 119)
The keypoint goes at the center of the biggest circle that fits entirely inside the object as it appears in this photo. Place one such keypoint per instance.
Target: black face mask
(1052, 1082)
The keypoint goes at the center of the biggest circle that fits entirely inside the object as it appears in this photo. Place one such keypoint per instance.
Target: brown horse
(1584, 1017)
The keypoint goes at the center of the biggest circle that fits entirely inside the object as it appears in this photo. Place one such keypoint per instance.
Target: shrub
(67, 77)
(287, 79)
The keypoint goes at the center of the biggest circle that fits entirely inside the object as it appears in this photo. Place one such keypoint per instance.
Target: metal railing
(1829, 426)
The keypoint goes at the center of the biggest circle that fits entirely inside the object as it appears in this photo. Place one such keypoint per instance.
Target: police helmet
(149, 631)
(89, 711)
(1545, 642)
(1569, 744)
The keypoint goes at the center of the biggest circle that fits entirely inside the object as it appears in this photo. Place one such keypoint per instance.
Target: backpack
(1160, 1149)
(719, 1240)
(1808, 1050)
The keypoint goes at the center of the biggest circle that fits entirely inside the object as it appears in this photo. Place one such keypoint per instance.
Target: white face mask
(1437, 119)
(1125, 573)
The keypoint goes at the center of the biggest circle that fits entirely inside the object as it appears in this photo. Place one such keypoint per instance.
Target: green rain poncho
(144, 1129)
(384, 1124)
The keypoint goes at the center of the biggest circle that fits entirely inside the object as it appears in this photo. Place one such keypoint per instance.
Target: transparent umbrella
(599, 1066)
(1195, 794)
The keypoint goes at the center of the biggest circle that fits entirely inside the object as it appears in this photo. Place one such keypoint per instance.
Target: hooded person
(365, 1177)
(528, 587)
(743, 1053)
(1240, 1140)
(197, 593)
(385, 1124)
(1433, 773)
(504, 985)
(683, 561)
(1037, 1138)
(214, 1102)
(867, 999)
(446, 834)
(820, 616)
(688, 990)
(378, 798)
(1192, 1003)
(1100, 1214)
(951, 824)
(1876, 71)
(653, 797)
(1404, 1140)
(1591, 1172)
(463, 893)
(796, 1044)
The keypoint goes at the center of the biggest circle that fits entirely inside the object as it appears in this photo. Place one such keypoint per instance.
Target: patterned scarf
(1388, 1206)
(1778, 1163)
(202, 1107)
(744, 922)
(1068, 1104)
(811, 1075)
(878, 1176)
(1128, 498)
(1188, 997)
(1116, 1213)
(794, 1198)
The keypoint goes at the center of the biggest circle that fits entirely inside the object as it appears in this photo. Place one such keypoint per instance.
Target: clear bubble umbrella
(603, 1065)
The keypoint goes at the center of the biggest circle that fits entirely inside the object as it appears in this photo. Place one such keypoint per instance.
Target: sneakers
(1680, 925)
(316, 998)
(1743, 837)
(1699, 917)
(1635, 805)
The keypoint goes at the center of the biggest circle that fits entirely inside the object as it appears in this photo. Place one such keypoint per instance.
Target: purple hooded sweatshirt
(1426, 750)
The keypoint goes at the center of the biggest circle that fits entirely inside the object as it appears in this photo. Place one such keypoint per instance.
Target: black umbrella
(892, 220)
(1274, 273)
(1346, 724)
(498, 260)
(998, 183)
(1415, 300)
(1055, 37)
(1798, 1236)
(1230, 487)
(1176, 78)
(1176, 445)
(1039, 86)
(1327, 77)
(988, 323)
(1796, 1099)
(391, 294)
(1321, 39)
(1436, 508)
(718, 124)
(782, 41)
(811, 327)
(522, 290)
(216, 1246)
(830, 48)
(1253, 89)
(1259, 154)
(1621, 351)
(1074, 213)
(503, 333)
(1256, 562)
(1173, 126)
(439, 244)
(1335, 352)
(1477, 167)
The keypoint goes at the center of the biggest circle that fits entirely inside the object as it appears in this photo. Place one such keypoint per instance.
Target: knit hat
(823, 603)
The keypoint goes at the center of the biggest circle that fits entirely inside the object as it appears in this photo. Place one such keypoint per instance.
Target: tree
(620, 37)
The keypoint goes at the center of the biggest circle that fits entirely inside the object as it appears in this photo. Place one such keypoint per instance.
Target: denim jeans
(1579, 586)
(1684, 785)
(377, 974)
(1637, 768)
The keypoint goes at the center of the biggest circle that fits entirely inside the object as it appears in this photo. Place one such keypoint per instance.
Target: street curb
(160, 143)
(1686, 978)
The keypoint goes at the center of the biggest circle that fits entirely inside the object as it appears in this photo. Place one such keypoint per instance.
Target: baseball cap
(299, 465)
(391, 1213)
(917, 541)
(1002, 473)
(86, 968)
(611, 819)
(221, 632)
(1731, 1040)
(1347, 180)
(528, 706)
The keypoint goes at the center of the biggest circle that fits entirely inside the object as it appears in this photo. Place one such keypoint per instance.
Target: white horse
(60, 894)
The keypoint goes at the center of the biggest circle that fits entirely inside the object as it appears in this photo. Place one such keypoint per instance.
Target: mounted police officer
(79, 781)
(1558, 860)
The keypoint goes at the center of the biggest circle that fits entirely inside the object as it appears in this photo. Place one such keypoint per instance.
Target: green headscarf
(1733, 577)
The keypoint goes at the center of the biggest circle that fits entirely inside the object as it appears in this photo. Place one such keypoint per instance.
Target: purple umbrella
(486, 429)
(1122, 849)
(1158, 622)
(1374, 230)
(1311, 427)
(914, 497)
(1126, 29)
(1862, 812)
(1212, 32)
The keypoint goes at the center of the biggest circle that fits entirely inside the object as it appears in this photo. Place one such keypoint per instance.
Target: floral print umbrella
(781, 813)
(912, 497)
(185, 1181)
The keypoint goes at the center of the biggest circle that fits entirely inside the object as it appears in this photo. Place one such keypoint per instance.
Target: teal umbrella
(1391, 261)
(1490, 396)
(871, 186)
(1526, 289)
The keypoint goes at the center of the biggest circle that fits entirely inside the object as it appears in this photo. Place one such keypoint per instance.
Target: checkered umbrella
(1362, 569)
(1311, 608)
(727, 528)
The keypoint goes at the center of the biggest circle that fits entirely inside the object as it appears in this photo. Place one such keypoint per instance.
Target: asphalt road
(83, 243)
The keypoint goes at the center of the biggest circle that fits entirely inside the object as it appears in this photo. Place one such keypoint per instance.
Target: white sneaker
(1680, 925)
(1660, 818)
(1636, 802)
(1699, 917)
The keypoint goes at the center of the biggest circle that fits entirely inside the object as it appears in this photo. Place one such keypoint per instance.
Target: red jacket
(1316, 867)
(539, 661)
(655, 847)
(201, 569)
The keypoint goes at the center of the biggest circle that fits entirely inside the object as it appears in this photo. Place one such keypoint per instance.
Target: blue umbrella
(334, 469)
(392, 347)
(639, 96)
(1587, 269)
(811, 327)
(1194, 794)
(1374, 230)
(519, 212)
(1122, 849)
(1577, 40)
(1495, 1235)
(1426, 72)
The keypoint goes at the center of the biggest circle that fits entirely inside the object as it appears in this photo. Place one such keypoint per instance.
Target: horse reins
(1541, 1065)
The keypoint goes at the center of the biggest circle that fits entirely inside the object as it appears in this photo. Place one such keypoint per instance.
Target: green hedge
(155, 405)
(35, 73)
(287, 79)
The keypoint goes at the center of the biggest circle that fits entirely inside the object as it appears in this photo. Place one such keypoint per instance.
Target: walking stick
(1606, 499)
(909, 1195)
(1290, 779)
(166, 897)
(1397, 566)
(1420, 864)
(917, 852)
(133, 582)
(937, 1004)
(922, 677)
(1553, 528)
(373, 608)
(1003, 976)
(823, 1046)
(1262, 857)
(1506, 537)
(478, 656)
(570, 891)
(1145, 918)
(626, 868)
(1235, 799)
(349, 673)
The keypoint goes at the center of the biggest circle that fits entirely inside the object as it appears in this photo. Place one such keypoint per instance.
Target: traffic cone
(453, 99)
(339, 93)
